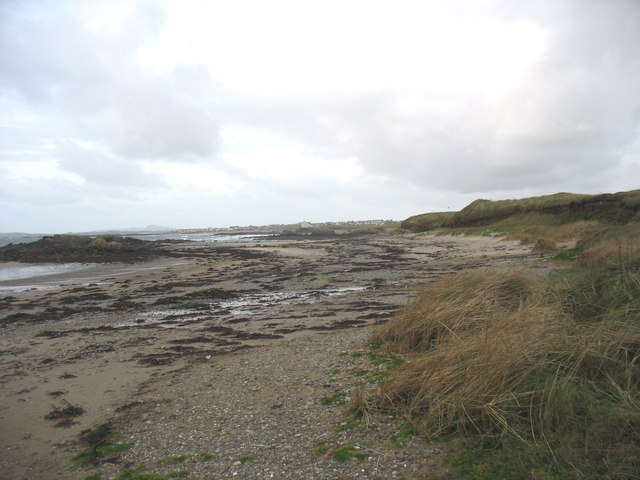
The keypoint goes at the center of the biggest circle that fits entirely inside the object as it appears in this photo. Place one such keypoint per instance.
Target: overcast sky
(117, 114)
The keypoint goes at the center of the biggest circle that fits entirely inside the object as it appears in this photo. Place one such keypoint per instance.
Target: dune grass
(565, 214)
(540, 374)
(428, 221)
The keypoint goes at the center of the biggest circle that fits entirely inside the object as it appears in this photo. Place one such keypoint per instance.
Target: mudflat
(214, 360)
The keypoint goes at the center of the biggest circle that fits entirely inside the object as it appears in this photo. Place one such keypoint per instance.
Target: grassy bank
(538, 375)
(564, 214)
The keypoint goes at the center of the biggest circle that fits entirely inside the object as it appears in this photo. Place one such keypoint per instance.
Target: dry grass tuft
(611, 251)
(497, 352)
(479, 338)
(521, 237)
(544, 245)
(362, 403)
(454, 306)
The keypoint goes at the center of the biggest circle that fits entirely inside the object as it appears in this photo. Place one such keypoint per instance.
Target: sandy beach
(218, 355)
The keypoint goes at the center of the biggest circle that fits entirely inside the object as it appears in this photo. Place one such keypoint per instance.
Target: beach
(217, 354)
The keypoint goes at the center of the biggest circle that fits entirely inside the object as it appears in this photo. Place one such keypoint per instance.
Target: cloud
(90, 84)
(565, 118)
(103, 167)
(252, 112)
(163, 118)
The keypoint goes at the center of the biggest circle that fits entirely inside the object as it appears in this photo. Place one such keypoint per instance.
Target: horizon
(195, 114)
(262, 225)
(164, 229)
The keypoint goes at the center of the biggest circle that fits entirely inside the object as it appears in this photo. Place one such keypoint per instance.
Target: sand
(130, 343)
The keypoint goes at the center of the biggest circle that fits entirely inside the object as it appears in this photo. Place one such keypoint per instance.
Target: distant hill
(559, 208)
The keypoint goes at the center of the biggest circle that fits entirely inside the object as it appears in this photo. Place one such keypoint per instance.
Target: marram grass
(553, 364)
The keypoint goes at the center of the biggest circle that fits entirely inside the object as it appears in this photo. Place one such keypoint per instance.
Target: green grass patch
(174, 459)
(321, 448)
(206, 456)
(338, 398)
(113, 437)
(178, 474)
(347, 452)
(493, 459)
(114, 448)
(389, 361)
(139, 475)
(401, 438)
(83, 458)
(345, 427)
(95, 476)
(100, 440)
(570, 255)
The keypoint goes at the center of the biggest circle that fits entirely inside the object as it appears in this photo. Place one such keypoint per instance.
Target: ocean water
(22, 271)
(7, 238)
(17, 277)
(201, 237)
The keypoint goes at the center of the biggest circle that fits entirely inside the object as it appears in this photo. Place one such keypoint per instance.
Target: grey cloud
(569, 124)
(90, 85)
(35, 193)
(158, 119)
(104, 168)
(48, 55)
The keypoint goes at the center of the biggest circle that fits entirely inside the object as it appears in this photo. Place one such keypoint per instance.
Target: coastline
(90, 343)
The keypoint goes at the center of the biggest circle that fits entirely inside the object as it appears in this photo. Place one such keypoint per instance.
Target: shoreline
(103, 345)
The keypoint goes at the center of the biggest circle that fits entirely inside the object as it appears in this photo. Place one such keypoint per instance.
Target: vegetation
(206, 456)
(102, 445)
(534, 215)
(347, 452)
(178, 474)
(428, 221)
(174, 459)
(400, 438)
(321, 448)
(544, 245)
(106, 450)
(337, 398)
(540, 374)
(139, 475)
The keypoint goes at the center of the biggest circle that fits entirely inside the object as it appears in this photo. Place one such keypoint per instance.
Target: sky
(192, 114)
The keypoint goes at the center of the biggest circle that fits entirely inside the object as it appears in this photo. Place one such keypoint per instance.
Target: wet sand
(99, 337)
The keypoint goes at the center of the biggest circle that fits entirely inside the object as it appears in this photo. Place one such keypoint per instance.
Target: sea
(7, 238)
(15, 277)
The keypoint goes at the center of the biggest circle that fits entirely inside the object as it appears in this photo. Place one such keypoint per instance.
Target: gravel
(259, 413)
